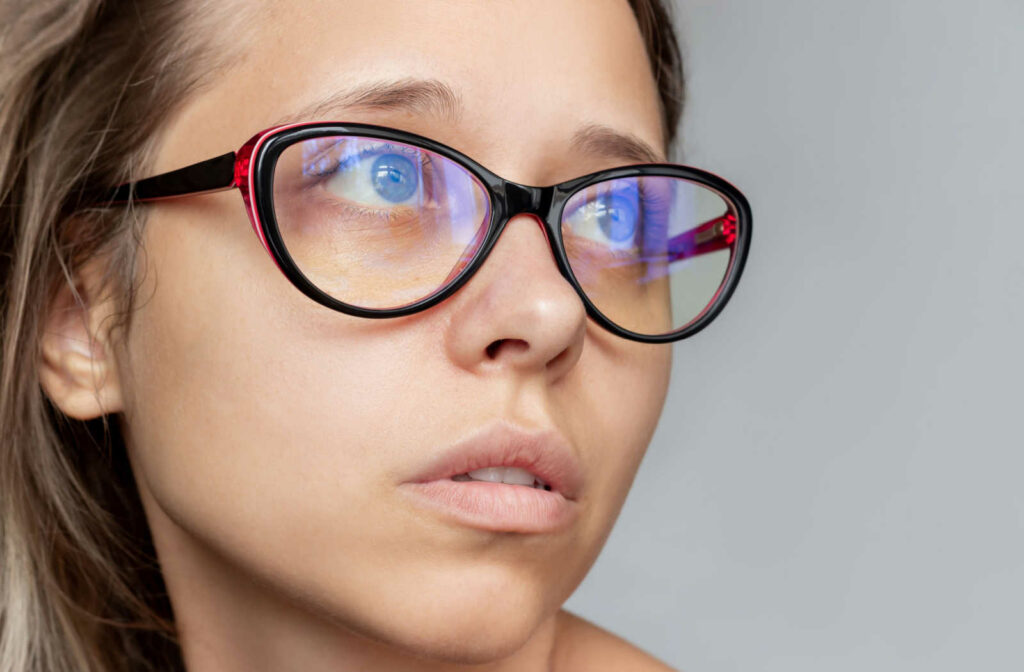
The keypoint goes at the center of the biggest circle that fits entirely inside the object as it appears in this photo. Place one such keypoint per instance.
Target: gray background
(836, 480)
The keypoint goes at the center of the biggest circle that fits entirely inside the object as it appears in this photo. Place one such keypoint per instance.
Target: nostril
(513, 344)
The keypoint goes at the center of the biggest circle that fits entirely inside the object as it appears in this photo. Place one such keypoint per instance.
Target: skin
(268, 434)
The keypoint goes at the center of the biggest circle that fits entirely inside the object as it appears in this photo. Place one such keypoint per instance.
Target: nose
(517, 311)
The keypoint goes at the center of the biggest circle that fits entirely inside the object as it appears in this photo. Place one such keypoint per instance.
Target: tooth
(509, 475)
(517, 476)
(489, 474)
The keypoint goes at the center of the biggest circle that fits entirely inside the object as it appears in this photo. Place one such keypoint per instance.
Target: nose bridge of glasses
(522, 199)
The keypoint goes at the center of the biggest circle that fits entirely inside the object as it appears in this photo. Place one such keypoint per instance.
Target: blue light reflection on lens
(316, 155)
(460, 197)
(650, 211)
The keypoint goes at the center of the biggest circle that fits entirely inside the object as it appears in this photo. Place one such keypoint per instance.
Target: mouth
(502, 479)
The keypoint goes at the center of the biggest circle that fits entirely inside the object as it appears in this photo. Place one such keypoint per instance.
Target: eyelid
(364, 151)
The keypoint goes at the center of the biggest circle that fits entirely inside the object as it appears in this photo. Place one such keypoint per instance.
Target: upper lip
(544, 453)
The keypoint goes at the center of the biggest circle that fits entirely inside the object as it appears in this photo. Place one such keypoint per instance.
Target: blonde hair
(85, 87)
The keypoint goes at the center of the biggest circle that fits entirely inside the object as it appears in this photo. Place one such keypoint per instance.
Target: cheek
(615, 409)
(251, 410)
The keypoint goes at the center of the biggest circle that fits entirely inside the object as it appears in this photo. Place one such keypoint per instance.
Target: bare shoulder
(583, 646)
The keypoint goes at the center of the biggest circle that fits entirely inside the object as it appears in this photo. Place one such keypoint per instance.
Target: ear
(77, 367)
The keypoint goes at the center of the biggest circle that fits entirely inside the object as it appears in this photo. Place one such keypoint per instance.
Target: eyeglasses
(377, 222)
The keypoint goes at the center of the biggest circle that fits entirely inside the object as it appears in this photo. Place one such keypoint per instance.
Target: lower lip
(498, 507)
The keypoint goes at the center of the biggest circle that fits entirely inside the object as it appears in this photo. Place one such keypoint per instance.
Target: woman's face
(271, 437)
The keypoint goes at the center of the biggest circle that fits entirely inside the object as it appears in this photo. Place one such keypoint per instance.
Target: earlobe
(77, 366)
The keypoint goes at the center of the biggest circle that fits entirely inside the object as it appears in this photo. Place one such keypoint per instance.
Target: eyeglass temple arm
(213, 174)
(713, 235)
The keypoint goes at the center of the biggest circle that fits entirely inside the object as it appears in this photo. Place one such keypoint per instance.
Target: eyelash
(325, 166)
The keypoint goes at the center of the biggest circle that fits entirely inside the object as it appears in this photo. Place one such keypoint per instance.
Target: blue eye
(617, 218)
(394, 177)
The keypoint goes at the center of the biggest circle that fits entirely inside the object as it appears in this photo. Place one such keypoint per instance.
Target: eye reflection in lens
(607, 217)
(373, 223)
(641, 280)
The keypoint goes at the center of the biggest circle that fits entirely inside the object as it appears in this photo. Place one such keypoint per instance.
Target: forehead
(535, 90)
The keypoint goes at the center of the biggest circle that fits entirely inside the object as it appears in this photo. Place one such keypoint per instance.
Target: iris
(394, 177)
(617, 218)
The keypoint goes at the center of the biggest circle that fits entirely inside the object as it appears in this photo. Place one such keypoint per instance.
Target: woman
(400, 442)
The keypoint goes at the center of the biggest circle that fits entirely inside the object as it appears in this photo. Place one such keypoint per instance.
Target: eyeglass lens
(382, 224)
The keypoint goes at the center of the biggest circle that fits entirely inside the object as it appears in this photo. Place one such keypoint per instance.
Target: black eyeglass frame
(251, 170)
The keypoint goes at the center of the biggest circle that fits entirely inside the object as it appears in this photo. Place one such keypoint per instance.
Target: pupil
(617, 219)
(394, 177)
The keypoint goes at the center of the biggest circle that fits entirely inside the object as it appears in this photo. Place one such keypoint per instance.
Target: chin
(467, 624)
(474, 636)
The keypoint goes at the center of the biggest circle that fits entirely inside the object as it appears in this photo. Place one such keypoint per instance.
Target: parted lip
(545, 453)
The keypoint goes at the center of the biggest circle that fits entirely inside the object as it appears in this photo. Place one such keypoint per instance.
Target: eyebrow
(425, 96)
(606, 141)
(437, 99)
